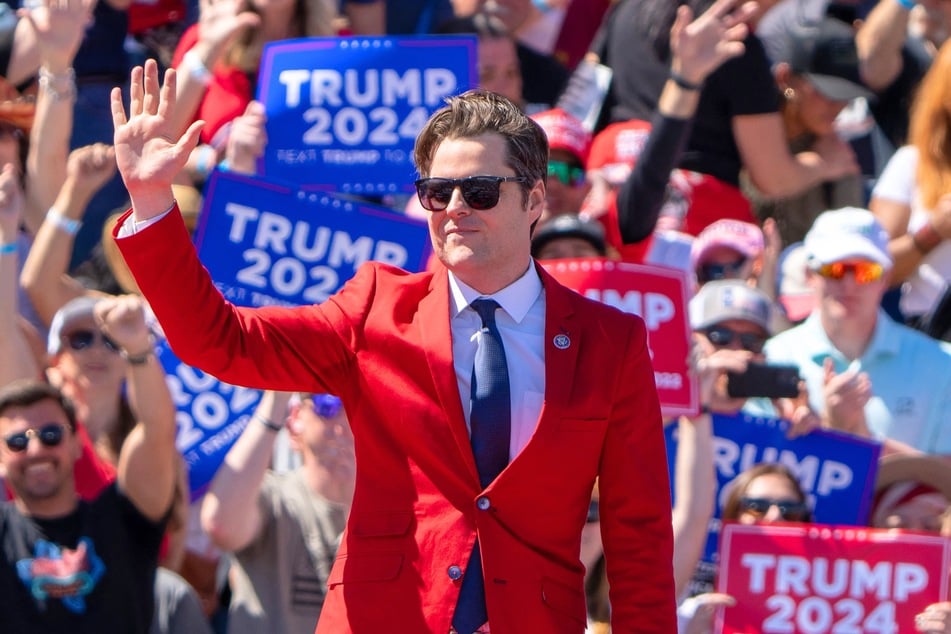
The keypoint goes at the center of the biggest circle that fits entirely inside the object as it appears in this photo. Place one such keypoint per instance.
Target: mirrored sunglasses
(479, 192)
(790, 510)
(710, 272)
(50, 435)
(864, 272)
(325, 405)
(566, 173)
(83, 339)
(721, 336)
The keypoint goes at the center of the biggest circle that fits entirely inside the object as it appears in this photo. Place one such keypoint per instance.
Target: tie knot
(486, 309)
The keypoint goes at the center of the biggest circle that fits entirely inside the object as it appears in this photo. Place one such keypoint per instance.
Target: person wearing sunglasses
(443, 375)
(71, 564)
(866, 374)
(762, 494)
(282, 528)
(568, 144)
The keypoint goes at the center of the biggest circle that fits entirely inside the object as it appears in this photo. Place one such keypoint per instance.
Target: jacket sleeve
(635, 500)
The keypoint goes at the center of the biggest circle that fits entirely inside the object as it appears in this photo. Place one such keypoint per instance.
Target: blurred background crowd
(803, 186)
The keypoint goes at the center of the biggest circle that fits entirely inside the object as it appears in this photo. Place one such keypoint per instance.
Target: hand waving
(698, 47)
(147, 155)
(60, 26)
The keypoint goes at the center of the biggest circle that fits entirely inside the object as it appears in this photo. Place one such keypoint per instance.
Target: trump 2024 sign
(343, 113)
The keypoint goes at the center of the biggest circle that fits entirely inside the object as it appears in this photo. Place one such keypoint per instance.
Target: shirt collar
(885, 339)
(515, 299)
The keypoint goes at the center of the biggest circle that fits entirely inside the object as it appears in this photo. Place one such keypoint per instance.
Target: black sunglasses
(50, 435)
(709, 272)
(82, 339)
(479, 192)
(790, 510)
(721, 336)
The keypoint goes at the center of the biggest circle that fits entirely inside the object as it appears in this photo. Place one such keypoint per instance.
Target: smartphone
(771, 381)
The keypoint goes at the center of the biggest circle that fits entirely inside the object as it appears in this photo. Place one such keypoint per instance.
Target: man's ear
(536, 200)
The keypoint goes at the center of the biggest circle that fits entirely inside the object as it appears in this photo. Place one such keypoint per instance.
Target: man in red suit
(402, 351)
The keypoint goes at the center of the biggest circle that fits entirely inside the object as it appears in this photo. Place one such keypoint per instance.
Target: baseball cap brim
(845, 247)
(837, 88)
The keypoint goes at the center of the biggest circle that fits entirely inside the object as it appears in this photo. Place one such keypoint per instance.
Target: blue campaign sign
(266, 243)
(836, 470)
(343, 113)
(210, 416)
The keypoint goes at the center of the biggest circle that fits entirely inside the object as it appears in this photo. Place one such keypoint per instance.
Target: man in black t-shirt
(68, 565)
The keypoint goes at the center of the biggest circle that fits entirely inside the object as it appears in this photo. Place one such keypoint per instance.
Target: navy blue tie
(490, 421)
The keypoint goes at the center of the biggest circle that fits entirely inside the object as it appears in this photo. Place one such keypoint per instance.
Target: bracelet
(9, 248)
(679, 79)
(926, 238)
(267, 423)
(60, 221)
(137, 359)
(59, 87)
(906, 4)
(196, 68)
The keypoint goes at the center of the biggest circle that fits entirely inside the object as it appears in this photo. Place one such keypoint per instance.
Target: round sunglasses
(479, 192)
(50, 435)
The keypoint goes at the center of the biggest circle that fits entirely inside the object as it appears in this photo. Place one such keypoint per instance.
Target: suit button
(455, 573)
(483, 503)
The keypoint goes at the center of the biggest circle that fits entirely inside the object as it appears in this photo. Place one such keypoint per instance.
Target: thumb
(828, 370)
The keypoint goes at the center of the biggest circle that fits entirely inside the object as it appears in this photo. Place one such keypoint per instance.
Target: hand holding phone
(763, 380)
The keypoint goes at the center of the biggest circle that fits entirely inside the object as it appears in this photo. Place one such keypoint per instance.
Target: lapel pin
(561, 342)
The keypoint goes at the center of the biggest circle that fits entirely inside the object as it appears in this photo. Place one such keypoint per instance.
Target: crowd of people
(788, 156)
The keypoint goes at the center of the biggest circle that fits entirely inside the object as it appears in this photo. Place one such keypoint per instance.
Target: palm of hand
(144, 151)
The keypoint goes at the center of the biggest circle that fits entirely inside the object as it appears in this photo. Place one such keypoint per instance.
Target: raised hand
(59, 26)
(845, 397)
(90, 167)
(123, 320)
(147, 154)
(219, 25)
(698, 47)
(247, 139)
(11, 203)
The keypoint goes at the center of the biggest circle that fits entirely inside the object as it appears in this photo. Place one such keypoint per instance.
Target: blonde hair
(930, 129)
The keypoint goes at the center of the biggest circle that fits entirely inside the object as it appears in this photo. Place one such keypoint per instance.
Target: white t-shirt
(898, 184)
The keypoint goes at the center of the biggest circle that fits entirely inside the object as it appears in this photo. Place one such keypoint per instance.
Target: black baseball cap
(824, 53)
(569, 226)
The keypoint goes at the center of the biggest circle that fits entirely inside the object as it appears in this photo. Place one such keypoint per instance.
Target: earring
(789, 94)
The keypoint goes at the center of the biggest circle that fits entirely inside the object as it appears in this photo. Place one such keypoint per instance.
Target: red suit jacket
(383, 345)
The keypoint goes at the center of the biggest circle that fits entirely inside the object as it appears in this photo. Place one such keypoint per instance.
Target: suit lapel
(433, 326)
(562, 342)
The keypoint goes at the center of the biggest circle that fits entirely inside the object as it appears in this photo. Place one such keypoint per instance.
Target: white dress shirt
(521, 323)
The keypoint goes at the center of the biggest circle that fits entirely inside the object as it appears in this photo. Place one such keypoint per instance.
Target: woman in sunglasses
(763, 494)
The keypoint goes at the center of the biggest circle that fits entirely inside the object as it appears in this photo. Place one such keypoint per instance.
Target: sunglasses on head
(721, 336)
(50, 435)
(790, 510)
(325, 405)
(566, 173)
(709, 272)
(864, 272)
(479, 192)
(83, 339)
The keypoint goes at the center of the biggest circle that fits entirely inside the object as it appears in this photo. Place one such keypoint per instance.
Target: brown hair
(479, 112)
(26, 392)
(731, 508)
(930, 129)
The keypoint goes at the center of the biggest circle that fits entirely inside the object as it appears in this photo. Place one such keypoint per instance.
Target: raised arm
(147, 462)
(230, 513)
(18, 361)
(44, 275)
(879, 42)
(58, 28)
(698, 47)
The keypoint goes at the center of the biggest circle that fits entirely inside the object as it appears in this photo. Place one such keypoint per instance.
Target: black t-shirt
(91, 571)
(742, 86)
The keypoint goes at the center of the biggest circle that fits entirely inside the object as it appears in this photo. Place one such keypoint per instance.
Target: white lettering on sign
(822, 477)
(350, 126)
(654, 308)
(365, 87)
(801, 576)
(202, 403)
(815, 615)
